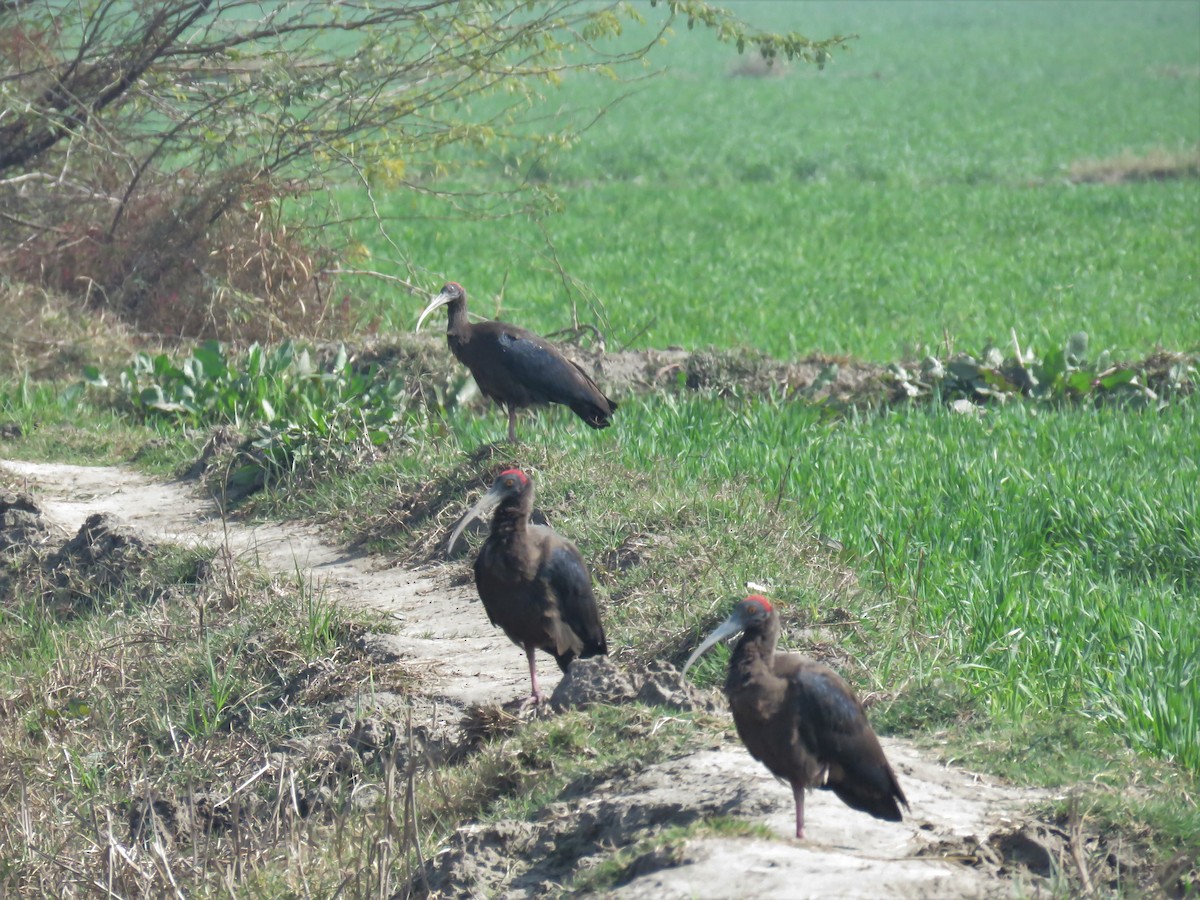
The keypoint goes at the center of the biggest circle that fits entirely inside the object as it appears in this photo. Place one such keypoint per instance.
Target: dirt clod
(662, 685)
(633, 551)
(102, 543)
(653, 861)
(103, 554)
(380, 648)
(21, 522)
(153, 818)
(371, 735)
(588, 681)
(1027, 847)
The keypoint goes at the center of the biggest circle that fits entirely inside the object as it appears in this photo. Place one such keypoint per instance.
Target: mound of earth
(959, 842)
(966, 835)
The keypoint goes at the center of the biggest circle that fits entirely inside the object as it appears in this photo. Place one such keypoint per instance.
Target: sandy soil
(967, 836)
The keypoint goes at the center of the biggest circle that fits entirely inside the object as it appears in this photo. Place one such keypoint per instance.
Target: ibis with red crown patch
(801, 719)
(515, 367)
(533, 583)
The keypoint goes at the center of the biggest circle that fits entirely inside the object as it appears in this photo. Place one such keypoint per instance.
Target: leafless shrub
(150, 159)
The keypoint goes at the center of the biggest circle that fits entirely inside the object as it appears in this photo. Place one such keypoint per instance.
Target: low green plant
(272, 387)
(299, 413)
(322, 621)
(214, 698)
(1063, 373)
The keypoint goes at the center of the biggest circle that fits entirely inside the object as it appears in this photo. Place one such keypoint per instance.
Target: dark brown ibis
(801, 719)
(515, 367)
(533, 583)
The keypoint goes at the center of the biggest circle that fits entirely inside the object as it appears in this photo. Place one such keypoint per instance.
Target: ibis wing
(566, 576)
(827, 709)
(832, 723)
(490, 593)
(538, 372)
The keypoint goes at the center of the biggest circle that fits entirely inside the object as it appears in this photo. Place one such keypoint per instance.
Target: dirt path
(957, 842)
(430, 610)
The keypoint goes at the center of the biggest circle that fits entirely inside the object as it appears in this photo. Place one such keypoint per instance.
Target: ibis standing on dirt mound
(515, 367)
(800, 718)
(533, 583)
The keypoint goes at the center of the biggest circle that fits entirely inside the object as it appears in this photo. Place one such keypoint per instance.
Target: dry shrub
(176, 255)
(1154, 165)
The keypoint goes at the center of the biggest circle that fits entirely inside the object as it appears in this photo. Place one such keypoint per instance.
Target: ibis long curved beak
(731, 626)
(482, 507)
(440, 300)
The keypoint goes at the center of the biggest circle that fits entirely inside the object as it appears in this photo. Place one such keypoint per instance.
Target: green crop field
(1047, 563)
(916, 195)
(914, 192)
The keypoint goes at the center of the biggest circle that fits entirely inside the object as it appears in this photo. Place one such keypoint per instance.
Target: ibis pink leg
(798, 793)
(536, 697)
(512, 424)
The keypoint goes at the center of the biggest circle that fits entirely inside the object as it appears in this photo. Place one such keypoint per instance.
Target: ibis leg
(512, 424)
(798, 794)
(536, 697)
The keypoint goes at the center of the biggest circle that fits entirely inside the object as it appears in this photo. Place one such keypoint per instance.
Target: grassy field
(929, 204)
(1019, 587)
(919, 194)
(1015, 557)
(916, 190)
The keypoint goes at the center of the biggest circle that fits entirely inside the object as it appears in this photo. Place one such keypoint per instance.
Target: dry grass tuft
(49, 335)
(176, 739)
(1154, 165)
(484, 721)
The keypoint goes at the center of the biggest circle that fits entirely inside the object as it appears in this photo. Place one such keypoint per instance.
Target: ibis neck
(754, 655)
(512, 516)
(457, 324)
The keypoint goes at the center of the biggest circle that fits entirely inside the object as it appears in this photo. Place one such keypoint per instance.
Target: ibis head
(754, 610)
(511, 484)
(451, 292)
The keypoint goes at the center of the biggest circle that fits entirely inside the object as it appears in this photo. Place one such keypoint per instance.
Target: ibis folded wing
(832, 723)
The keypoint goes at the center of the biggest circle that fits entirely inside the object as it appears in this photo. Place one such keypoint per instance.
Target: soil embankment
(966, 836)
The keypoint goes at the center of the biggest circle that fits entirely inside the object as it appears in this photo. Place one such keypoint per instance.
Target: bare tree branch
(137, 130)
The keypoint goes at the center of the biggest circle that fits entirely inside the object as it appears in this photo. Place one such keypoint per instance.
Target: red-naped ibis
(515, 367)
(801, 719)
(533, 583)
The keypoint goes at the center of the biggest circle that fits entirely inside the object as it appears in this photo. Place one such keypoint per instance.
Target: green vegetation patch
(918, 192)
(1045, 560)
